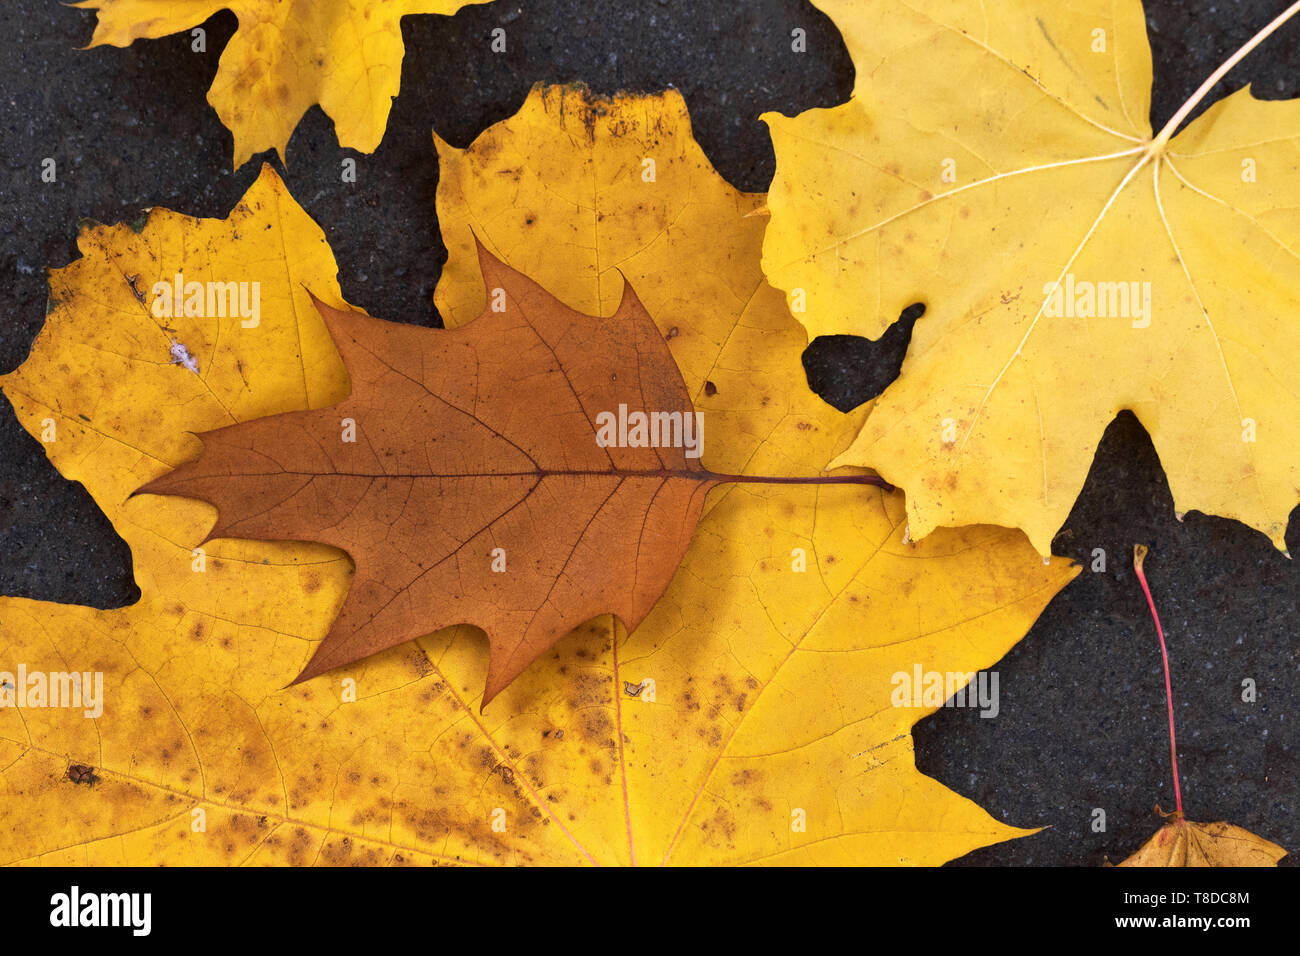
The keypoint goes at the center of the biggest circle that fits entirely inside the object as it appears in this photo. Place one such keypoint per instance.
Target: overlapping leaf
(475, 476)
(996, 162)
(748, 719)
(771, 678)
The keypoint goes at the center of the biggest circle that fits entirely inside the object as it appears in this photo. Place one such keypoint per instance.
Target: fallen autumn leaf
(287, 56)
(1000, 167)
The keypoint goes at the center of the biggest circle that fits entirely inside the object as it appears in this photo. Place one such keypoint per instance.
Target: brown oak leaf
(475, 491)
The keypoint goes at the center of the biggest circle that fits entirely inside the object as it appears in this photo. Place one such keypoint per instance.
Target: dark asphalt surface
(1082, 721)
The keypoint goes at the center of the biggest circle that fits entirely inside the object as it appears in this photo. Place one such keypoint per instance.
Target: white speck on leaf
(181, 356)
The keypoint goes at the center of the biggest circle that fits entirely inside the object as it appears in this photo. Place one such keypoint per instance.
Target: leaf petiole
(1163, 137)
(1139, 554)
(814, 480)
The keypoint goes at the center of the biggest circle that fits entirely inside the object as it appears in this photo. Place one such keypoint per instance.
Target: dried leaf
(465, 475)
(1181, 842)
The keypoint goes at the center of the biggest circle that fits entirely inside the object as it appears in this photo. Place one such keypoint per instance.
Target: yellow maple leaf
(286, 57)
(748, 719)
(585, 194)
(997, 163)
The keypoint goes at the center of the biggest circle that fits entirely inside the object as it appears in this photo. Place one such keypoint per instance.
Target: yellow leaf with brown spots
(200, 754)
(286, 57)
(772, 687)
(997, 163)
(748, 719)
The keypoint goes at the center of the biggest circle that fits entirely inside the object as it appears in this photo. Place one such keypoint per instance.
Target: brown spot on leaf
(80, 773)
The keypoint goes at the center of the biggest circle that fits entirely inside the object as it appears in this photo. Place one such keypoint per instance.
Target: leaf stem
(1140, 553)
(813, 480)
(1171, 127)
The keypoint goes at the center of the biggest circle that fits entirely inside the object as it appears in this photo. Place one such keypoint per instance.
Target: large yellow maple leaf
(286, 57)
(996, 162)
(748, 719)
